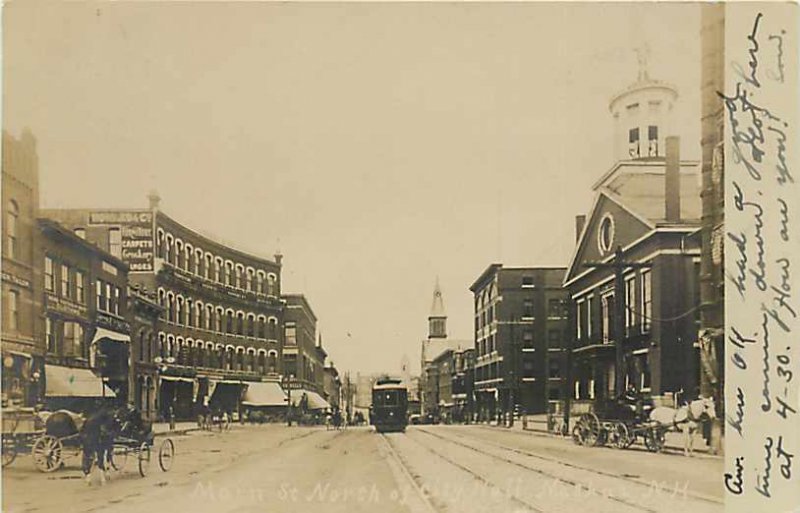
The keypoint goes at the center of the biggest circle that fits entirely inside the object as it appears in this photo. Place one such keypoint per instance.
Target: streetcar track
(542, 472)
(478, 477)
(406, 471)
(623, 477)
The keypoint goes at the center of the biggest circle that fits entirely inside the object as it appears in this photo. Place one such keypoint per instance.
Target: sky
(376, 146)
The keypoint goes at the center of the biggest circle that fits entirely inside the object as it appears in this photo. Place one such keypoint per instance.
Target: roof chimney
(278, 257)
(672, 180)
(580, 221)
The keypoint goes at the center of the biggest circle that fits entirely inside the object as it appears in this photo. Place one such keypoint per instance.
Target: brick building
(648, 206)
(22, 348)
(85, 332)
(219, 332)
(303, 357)
(519, 313)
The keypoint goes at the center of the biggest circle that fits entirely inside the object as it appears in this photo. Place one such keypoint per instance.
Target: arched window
(262, 327)
(179, 254)
(209, 266)
(198, 262)
(228, 273)
(162, 346)
(169, 251)
(248, 284)
(189, 258)
(170, 345)
(218, 318)
(218, 270)
(251, 325)
(229, 327)
(273, 328)
(240, 359)
(238, 283)
(179, 310)
(251, 360)
(260, 282)
(262, 362)
(160, 244)
(240, 323)
(271, 285)
(229, 357)
(209, 317)
(272, 362)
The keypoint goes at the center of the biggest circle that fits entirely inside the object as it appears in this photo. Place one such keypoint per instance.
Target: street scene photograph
(397, 257)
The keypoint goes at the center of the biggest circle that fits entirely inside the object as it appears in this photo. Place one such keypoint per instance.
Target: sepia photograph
(407, 257)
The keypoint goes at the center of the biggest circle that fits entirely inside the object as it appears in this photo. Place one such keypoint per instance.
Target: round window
(605, 236)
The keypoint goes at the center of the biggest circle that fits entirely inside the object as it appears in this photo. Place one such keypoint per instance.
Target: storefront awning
(264, 394)
(73, 382)
(176, 378)
(315, 401)
(102, 333)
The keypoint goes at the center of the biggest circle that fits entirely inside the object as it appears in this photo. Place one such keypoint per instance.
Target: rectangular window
(646, 300)
(291, 336)
(554, 307)
(630, 302)
(49, 275)
(607, 316)
(13, 310)
(101, 298)
(580, 309)
(69, 338)
(109, 299)
(50, 336)
(65, 289)
(80, 285)
(554, 369)
(527, 281)
(652, 141)
(527, 339)
(116, 300)
(633, 143)
(554, 338)
(589, 312)
(527, 308)
(115, 242)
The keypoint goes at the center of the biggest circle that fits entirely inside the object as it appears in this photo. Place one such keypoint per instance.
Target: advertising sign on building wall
(136, 236)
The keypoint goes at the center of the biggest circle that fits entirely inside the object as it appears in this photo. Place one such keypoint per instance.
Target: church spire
(437, 320)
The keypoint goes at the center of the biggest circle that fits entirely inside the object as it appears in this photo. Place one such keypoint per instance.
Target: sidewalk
(162, 428)
(673, 440)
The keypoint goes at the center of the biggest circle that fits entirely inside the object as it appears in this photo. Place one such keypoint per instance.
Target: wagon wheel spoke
(47, 453)
(118, 458)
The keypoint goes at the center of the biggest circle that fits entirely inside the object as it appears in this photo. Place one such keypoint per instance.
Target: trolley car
(389, 410)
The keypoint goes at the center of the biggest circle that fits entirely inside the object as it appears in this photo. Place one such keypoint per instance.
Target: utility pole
(619, 265)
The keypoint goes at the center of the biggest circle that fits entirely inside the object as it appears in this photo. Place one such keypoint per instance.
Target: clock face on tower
(605, 234)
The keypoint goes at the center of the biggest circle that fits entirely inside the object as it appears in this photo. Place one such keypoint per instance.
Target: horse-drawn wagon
(58, 436)
(619, 423)
(21, 427)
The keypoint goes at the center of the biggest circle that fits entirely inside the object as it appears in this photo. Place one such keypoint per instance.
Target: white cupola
(642, 115)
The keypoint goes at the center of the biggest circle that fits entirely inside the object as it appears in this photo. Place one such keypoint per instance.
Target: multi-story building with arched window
(220, 328)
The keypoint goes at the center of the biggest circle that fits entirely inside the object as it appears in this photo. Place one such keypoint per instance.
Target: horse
(687, 419)
(97, 441)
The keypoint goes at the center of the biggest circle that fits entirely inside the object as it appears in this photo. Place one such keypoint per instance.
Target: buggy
(619, 423)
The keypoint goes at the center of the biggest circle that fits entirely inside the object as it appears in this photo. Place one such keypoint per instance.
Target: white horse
(686, 419)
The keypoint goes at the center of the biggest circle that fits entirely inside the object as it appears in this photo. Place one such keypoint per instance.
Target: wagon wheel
(592, 430)
(9, 450)
(144, 458)
(47, 453)
(620, 436)
(654, 439)
(118, 457)
(166, 455)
